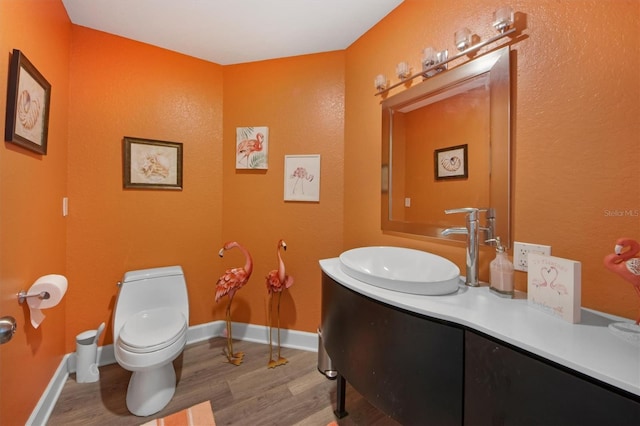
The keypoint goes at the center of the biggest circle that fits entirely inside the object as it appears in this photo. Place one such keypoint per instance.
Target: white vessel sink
(402, 269)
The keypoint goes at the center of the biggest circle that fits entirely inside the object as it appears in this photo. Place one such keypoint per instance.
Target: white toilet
(150, 324)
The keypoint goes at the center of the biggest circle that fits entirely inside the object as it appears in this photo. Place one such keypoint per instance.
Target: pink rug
(198, 415)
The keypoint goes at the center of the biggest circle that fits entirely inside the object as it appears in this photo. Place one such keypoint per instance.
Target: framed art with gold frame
(151, 164)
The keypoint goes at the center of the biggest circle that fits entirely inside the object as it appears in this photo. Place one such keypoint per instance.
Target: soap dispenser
(501, 272)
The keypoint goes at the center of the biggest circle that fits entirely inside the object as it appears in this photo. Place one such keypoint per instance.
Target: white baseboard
(43, 409)
(294, 339)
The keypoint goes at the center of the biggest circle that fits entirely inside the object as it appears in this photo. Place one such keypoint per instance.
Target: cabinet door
(504, 386)
(407, 366)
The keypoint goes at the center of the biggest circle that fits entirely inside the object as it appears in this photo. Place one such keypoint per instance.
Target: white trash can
(87, 357)
(324, 362)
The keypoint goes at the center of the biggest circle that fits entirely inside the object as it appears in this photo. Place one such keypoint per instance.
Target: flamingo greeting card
(554, 286)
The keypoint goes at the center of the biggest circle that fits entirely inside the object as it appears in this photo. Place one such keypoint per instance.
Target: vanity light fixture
(402, 70)
(434, 61)
(503, 18)
(380, 82)
(462, 38)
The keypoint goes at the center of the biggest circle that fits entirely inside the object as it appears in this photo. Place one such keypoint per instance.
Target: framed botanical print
(252, 148)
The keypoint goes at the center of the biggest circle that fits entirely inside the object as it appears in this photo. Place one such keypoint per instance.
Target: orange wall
(301, 100)
(575, 151)
(576, 129)
(125, 88)
(163, 95)
(32, 229)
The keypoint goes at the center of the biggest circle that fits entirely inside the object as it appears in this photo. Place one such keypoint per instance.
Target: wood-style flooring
(249, 394)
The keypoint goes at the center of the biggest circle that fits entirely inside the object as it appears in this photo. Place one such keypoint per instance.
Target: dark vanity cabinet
(423, 371)
(504, 386)
(405, 365)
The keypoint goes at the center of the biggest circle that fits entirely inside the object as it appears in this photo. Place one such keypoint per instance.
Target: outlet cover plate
(521, 250)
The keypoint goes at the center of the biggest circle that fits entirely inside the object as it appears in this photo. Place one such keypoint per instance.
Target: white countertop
(587, 347)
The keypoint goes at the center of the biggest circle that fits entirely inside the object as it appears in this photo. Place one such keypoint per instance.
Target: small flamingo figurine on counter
(625, 262)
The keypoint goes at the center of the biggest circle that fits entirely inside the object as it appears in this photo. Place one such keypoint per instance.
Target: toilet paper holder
(22, 296)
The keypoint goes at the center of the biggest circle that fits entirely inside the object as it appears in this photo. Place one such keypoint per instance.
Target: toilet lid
(153, 329)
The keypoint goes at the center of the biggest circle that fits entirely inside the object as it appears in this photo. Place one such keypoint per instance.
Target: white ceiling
(234, 31)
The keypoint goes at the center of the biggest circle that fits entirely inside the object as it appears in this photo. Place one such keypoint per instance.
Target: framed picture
(151, 164)
(28, 98)
(451, 163)
(302, 177)
(252, 147)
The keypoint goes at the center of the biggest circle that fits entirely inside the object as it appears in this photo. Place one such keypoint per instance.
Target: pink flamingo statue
(623, 261)
(277, 281)
(230, 282)
(247, 146)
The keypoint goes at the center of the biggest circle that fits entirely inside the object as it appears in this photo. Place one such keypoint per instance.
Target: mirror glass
(445, 145)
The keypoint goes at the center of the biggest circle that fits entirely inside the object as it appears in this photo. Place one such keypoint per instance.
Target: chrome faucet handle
(490, 223)
(462, 210)
(473, 214)
(471, 211)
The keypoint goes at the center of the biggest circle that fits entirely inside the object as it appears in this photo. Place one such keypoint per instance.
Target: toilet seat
(152, 330)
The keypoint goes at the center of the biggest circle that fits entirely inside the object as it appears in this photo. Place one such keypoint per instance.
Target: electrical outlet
(521, 250)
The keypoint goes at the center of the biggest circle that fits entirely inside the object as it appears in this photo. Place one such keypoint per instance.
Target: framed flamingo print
(302, 177)
(28, 98)
(252, 148)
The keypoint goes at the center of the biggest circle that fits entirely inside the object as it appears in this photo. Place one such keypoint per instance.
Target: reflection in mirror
(446, 145)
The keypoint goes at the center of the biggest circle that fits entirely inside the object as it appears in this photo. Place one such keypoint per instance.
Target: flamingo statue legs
(228, 284)
(624, 262)
(277, 281)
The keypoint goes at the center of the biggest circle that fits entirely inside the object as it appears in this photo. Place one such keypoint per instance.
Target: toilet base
(151, 390)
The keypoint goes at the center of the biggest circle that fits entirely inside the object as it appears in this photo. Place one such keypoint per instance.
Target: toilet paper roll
(56, 286)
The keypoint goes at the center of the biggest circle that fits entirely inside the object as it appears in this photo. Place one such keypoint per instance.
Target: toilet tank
(149, 289)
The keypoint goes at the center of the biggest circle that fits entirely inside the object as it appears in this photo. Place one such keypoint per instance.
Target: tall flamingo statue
(624, 262)
(231, 281)
(248, 146)
(277, 281)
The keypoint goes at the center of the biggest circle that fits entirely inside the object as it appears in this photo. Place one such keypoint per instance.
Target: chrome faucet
(473, 240)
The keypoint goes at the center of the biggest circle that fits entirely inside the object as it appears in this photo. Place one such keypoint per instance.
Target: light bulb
(503, 18)
(403, 70)
(429, 57)
(462, 39)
